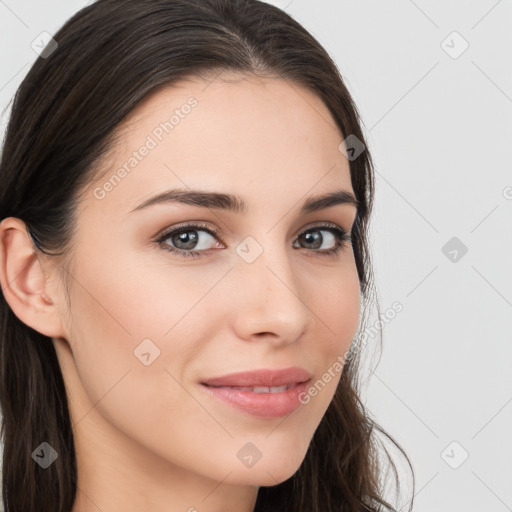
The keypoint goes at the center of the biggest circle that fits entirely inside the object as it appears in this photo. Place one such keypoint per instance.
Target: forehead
(254, 137)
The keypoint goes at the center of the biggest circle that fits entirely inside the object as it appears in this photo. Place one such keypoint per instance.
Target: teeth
(273, 389)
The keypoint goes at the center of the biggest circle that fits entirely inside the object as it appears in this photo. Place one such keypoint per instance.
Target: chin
(266, 475)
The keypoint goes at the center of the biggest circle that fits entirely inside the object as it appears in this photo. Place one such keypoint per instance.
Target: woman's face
(148, 326)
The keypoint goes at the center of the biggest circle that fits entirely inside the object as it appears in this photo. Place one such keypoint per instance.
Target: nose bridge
(270, 297)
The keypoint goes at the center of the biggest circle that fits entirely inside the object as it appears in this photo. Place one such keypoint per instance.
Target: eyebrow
(229, 202)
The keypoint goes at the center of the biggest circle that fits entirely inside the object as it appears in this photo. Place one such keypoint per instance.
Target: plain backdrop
(433, 83)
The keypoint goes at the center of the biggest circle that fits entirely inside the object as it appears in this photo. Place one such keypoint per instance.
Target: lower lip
(265, 405)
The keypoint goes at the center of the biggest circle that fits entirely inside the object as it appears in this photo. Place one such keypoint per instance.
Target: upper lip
(262, 377)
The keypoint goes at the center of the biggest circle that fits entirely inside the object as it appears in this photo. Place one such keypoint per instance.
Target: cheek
(336, 304)
(134, 298)
(127, 313)
(112, 313)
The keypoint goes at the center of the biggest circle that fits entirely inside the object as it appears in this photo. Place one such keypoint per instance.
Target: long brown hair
(110, 56)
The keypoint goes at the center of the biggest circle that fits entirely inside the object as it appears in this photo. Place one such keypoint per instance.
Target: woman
(185, 194)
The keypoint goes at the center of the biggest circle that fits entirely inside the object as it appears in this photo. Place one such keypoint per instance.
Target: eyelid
(164, 234)
(343, 236)
(215, 232)
(323, 224)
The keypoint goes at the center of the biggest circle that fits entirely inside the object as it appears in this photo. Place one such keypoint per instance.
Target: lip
(266, 404)
(263, 377)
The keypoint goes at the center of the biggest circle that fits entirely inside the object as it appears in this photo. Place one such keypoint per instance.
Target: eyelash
(342, 238)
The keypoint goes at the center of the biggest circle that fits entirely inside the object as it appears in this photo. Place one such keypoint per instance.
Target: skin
(149, 437)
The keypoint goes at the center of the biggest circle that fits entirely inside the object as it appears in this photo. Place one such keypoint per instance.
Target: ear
(24, 284)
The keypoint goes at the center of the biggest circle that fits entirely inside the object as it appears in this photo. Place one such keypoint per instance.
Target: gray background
(439, 126)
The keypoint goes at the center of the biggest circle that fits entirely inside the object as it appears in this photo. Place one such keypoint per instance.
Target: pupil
(182, 237)
(312, 237)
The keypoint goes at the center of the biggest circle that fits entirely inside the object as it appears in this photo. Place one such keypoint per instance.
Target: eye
(186, 241)
(336, 238)
(186, 238)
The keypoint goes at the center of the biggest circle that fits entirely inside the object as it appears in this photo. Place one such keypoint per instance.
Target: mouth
(259, 389)
(262, 380)
(262, 402)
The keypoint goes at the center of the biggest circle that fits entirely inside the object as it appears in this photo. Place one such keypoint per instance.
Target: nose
(270, 304)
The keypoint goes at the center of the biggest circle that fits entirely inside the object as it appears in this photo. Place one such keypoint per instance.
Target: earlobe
(23, 280)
